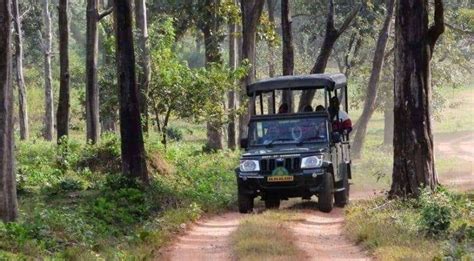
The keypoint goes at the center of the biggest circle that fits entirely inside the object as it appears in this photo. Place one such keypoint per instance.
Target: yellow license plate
(280, 178)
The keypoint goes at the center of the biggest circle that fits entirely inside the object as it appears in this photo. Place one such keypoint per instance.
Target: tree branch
(298, 15)
(438, 27)
(459, 30)
(330, 21)
(349, 19)
(388, 53)
(24, 13)
(105, 13)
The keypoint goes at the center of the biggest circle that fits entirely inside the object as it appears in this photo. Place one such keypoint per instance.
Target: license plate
(280, 178)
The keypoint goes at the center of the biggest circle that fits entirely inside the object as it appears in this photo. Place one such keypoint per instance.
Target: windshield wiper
(277, 139)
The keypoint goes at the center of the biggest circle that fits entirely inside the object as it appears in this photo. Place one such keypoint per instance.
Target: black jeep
(294, 154)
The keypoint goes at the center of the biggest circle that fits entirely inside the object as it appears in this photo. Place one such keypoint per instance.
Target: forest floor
(320, 235)
(460, 146)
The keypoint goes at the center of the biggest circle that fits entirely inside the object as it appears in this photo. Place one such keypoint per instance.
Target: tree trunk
(272, 58)
(20, 80)
(211, 42)
(8, 201)
(251, 12)
(388, 124)
(330, 38)
(288, 52)
(371, 93)
(271, 17)
(63, 104)
(92, 89)
(231, 135)
(133, 150)
(48, 88)
(413, 161)
(144, 72)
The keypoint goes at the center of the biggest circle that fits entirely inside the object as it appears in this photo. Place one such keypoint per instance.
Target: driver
(340, 119)
(272, 133)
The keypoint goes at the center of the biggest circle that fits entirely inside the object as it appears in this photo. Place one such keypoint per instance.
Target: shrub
(67, 184)
(125, 206)
(436, 212)
(174, 133)
(103, 157)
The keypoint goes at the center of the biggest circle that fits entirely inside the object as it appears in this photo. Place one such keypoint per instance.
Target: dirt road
(461, 146)
(207, 239)
(320, 235)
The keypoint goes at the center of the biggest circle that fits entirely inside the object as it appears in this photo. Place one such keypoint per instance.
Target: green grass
(77, 205)
(373, 170)
(399, 230)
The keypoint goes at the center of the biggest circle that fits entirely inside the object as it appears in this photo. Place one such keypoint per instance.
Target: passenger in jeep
(283, 108)
(340, 119)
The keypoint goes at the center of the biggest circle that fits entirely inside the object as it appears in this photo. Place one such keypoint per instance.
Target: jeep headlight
(312, 162)
(249, 165)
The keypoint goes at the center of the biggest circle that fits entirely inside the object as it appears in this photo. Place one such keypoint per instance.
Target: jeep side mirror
(336, 137)
(244, 143)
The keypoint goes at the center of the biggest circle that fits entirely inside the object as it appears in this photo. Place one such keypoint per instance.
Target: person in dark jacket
(283, 108)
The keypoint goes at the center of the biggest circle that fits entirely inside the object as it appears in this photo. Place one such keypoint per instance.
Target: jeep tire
(245, 203)
(325, 196)
(341, 198)
(272, 203)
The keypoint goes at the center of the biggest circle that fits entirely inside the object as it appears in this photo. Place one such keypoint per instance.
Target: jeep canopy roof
(329, 82)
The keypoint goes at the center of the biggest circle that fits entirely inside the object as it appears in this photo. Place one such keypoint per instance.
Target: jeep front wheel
(245, 203)
(325, 197)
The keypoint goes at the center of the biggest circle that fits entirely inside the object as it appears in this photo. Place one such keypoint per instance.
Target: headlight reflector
(249, 165)
(312, 162)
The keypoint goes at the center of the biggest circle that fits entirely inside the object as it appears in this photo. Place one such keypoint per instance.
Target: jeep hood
(283, 150)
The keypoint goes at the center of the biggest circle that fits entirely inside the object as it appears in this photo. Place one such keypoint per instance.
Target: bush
(103, 157)
(174, 133)
(67, 184)
(435, 226)
(436, 212)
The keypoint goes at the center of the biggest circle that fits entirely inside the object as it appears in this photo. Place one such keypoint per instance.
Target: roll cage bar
(334, 85)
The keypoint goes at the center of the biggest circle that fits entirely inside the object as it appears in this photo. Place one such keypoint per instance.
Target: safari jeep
(294, 154)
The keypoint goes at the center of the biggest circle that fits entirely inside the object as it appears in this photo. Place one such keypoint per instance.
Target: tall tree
(413, 161)
(92, 89)
(133, 149)
(271, 18)
(8, 201)
(371, 92)
(20, 80)
(288, 52)
(330, 38)
(208, 19)
(210, 25)
(231, 131)
(62, 115)
(144, 72)
(48, 87)
(251, 13)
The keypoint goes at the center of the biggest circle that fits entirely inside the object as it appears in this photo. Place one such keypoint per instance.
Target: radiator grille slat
(267, 166)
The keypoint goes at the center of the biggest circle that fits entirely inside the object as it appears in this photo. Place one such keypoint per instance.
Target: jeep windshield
(296, 131)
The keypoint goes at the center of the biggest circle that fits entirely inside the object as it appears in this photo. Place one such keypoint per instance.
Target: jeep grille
(291, 164)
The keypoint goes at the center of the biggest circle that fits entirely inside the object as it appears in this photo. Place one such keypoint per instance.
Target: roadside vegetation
(372, 172)
(76, 205)
(266, 237)
(436, 226)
